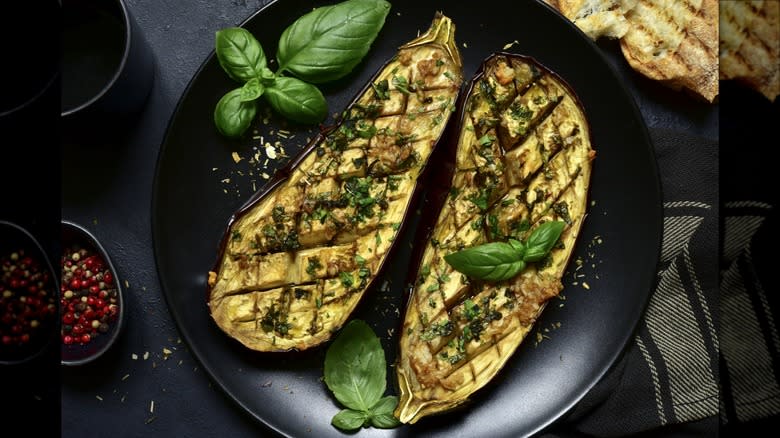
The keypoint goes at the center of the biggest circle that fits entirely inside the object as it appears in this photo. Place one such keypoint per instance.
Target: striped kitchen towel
(668, 374)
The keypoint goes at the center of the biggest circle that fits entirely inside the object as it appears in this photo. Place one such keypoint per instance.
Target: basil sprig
(497, 261)
(355, 371)
(320, 46)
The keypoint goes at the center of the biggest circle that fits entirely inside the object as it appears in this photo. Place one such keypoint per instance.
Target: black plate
(619, 244)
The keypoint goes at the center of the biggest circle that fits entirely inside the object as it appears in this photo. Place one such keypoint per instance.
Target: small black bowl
(12, 239)
(78, 354)
(107, 64)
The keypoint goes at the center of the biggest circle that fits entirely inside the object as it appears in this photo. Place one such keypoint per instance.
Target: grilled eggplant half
(523, 158)
(297, 258)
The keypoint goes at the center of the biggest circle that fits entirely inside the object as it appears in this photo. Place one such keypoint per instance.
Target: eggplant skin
(296, 259)
(523, 157)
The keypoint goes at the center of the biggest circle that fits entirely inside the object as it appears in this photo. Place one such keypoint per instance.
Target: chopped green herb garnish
(313, 266)
(346, 279)
(401, 84)
(365, 131)
(470, 310)
(381, 89)
(444, 328)
(486, 140)
(278, 213)
(562, 210)
(520, 111)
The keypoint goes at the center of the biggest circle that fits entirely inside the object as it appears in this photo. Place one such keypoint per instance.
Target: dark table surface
(119, 388)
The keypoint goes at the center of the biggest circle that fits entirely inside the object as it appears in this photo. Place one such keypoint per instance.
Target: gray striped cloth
(750, 346)
(669, 374)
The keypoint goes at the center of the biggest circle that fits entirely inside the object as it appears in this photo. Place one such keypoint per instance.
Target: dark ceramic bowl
(78, 354)
(14, 238)
(107, 65)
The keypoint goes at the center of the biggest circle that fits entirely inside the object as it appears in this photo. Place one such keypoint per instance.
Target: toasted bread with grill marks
(596, 18)
(675, 42)
(750, 44)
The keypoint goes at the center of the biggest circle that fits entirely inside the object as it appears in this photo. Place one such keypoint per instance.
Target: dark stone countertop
(114, 396)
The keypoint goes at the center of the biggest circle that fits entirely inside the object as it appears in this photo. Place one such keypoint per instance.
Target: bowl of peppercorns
(91, 297)
(28, 296)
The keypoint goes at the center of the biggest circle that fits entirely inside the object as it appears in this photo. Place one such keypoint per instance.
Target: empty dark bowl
(15, 299)
(107, 65)
(77, 353)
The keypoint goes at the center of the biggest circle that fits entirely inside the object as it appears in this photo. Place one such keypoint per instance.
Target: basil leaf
(348, 419)
(494, 261)
(384, 421)
(252, 90)
(328, 42)
(517, 246)
(267, 77)
(381, 414)
(239, 54)
(232, 115)
(542, 239)
(297, 100)
(385, 404)
(355, 367)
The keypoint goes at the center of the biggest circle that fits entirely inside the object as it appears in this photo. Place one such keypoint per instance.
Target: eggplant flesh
(296, 259)
(523, 157)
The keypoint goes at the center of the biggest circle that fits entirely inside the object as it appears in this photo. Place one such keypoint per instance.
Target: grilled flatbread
(750, 44)
(675, 42)
(672, 41)
(597, 18)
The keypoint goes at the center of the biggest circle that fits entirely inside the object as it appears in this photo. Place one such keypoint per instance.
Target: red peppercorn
(68, 318)
(88, 305)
